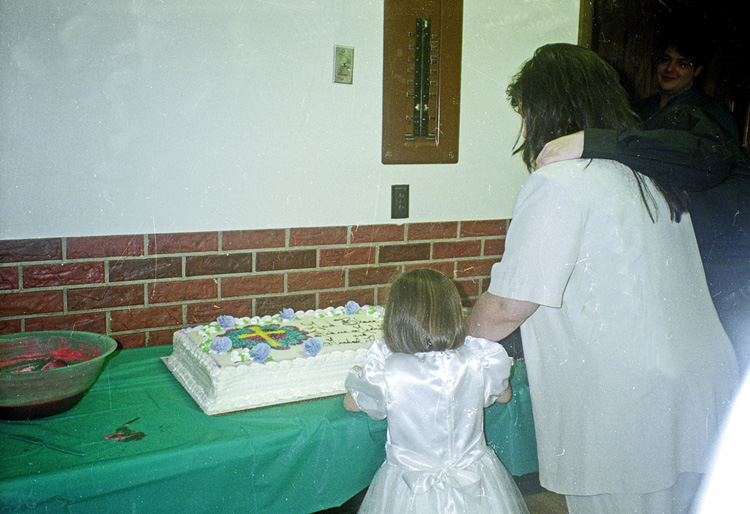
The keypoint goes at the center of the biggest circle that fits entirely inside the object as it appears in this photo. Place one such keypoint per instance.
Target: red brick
(285, 260)
(160, 337)
(311, 280)
(468, 288)
(10, 326)
(129, 341)
(145, 269)
(446, 268)
(146, 317)
(183, 290)
(382, 294)
(253, 239)
(26, 250)
(404, 252)
(104, 246)
(447, 230)
(206, 312)
(376, 233)
(494, 246)
(483, 228)
(105, 297)
(457, 249)
(188, 242)
(38, 302)
(365, 283)
(474, 268)
(274, 304)
(349, 256)
(317, 236)
(67, 273)
(8, 278)
(219, 264)
(371, 275)
(252, 285)
(338, 298)
(88, 322)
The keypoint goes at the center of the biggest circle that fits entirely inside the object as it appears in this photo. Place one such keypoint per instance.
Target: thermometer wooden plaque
(421, 81)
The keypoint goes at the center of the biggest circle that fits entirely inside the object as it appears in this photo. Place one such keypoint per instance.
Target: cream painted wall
(123, 116)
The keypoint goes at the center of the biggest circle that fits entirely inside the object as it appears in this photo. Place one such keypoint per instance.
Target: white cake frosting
(222, 379)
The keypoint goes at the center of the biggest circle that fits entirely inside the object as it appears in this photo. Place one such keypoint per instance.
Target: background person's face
(675, 72)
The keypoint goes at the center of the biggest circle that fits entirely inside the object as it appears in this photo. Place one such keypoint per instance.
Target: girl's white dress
(437, 459)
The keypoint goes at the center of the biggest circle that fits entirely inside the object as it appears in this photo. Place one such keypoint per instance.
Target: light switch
(343, 64)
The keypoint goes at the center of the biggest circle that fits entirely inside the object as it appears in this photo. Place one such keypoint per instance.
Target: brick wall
(140, 288)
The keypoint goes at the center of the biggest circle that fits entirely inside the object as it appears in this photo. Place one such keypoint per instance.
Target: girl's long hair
(423, 313)
(566, 88)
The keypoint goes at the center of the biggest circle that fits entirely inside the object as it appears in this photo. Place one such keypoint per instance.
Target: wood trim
(585, 23)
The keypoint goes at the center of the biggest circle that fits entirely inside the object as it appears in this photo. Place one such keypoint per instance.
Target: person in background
(680, 62)
(431, 383)
(630, 371)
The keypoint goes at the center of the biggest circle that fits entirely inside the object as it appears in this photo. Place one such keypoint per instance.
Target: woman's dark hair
(566, 88)
(423, 313)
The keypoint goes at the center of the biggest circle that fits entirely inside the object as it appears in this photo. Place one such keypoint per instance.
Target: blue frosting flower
(288, 314)
(225, 322)
(312, 346)
(221, 344)
(260, 352)
(352, 307)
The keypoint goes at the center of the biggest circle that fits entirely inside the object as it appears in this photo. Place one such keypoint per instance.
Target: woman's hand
(561, 149)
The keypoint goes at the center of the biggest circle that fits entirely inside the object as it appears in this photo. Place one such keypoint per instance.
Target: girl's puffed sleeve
(367, 383)
(495, 367)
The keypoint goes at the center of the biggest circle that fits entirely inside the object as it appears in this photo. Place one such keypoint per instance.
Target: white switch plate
(343, 64)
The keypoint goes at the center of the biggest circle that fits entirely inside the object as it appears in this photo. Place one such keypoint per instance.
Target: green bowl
(45, 373)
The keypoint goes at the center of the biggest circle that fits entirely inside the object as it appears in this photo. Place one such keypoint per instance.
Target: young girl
(432, 383)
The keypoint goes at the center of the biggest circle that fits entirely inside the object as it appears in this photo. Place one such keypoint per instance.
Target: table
(295, 458)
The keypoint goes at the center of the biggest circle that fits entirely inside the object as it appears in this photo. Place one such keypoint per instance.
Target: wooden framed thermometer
(421, 81)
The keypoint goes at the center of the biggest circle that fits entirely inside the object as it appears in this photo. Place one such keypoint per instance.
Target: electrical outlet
(399, 201)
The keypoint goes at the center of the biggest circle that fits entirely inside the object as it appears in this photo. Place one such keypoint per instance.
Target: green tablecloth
(295, 458)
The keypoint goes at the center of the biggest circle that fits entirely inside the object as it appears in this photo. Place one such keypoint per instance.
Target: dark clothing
(681, 146)
(711, 107)
(678, 146)
(721, 219)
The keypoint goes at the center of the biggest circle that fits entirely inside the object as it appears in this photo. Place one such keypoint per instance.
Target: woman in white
(629, 368)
